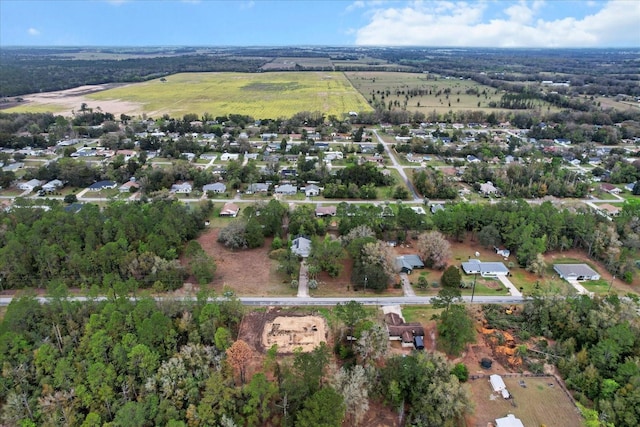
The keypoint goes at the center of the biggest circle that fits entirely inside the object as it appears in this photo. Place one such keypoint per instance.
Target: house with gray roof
(576, 272)
(258, 187)
(485, 269)
(102, 185)
(216, 187)
(301, 246)
(408, 263)
(286, 189)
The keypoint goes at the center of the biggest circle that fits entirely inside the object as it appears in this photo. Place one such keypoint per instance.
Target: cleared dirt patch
(290, 333)
(288, 330)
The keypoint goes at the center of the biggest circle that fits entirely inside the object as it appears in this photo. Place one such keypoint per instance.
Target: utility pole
(473, 287)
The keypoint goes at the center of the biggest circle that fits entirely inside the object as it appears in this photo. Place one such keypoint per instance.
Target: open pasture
(424, 92)
(264, 95)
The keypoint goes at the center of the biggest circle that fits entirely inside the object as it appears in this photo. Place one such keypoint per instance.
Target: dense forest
(178, 363)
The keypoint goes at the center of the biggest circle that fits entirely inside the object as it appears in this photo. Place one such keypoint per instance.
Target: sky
(479, 23)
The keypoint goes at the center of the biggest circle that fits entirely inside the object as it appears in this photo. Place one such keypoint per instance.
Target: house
(258, 187)
(418, 210)
(609, 209)
(488, 188)
(52, 186)
(286, 189)
(29, 185)
(127, 186)
(485, 269)
(216, 187)
(225, 157)
(576, 272)
(322, 211)
(410, 334)
(509, 421)
(102, 185)
(472, 159)
(311, 190)
(182, 188)
(301, 246)
(229, 209)
(408, 263)
(499, 386)
(609, 188)
(436, 207)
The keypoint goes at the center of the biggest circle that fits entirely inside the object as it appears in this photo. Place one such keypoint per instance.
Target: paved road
(397, 166)
(324, 301)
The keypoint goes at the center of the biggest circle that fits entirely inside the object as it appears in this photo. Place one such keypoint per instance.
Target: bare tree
(353, 385)
(379, 253)
(434, 249)
(238, 355)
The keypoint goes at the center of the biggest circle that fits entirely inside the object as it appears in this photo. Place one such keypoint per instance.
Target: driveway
(510, 286)
(303, 281)
(406, 285)
(579, 288)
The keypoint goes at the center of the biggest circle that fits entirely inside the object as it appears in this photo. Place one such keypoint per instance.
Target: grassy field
(541, 402)
(463, 94)
(268, 95)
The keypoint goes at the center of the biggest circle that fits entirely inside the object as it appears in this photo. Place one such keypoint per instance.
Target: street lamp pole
(473, 287)
(365, 284)
(611, 283)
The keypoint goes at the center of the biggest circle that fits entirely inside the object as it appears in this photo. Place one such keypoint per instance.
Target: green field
(462, 95)
(262, 95)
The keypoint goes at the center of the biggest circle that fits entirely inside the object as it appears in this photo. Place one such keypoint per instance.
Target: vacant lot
(541, 402)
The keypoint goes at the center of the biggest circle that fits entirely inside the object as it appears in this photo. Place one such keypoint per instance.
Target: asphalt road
(310, 301)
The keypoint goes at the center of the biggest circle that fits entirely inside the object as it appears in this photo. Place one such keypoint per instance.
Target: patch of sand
(289, 333)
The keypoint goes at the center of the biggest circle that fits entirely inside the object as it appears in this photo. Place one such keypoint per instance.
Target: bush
(461, 371)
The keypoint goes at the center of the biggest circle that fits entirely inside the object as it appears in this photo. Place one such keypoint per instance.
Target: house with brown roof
(229, 209)
(410, 334)
(322, 211)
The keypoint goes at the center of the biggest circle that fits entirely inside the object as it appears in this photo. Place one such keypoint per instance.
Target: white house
(301, 246)
(576, 272)
(216, 187)
(485, 269)
(311, 190)
(29, 185)
(52, 186)
(182, 188)
(229, 156)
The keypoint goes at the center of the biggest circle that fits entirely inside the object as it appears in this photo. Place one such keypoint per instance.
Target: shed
(498, 385)
(509, 421)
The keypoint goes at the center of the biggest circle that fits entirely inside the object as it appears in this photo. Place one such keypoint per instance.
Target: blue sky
(484, 23)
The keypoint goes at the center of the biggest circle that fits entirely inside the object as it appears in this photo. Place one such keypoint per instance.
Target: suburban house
(258, 187)
(609, 209)
(436, 207)
(576, 272)
(102, 185)
(418, 210)
(322, 211)
(225, 157)
(301, 246)
(52, 186)
(609, 188)
(409, 334)
(408, 263)
(499, 386)
(216, 187)
(488, 188)
(229, 209)
(311, 190)
(509, 421)
(286, 189)
(485, 269)
(127, 186)
(182, 188)
(29, 185)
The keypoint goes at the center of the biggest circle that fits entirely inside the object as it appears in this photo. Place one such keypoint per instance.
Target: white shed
(498, 385)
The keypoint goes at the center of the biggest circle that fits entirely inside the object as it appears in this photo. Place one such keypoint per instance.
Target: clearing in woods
(539, 401)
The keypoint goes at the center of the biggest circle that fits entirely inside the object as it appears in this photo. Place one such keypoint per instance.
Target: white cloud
(419, 23)
(33, 31)
(247, 5)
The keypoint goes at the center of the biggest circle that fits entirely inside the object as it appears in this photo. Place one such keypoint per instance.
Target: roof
(509, 421)
(301, 246)
(286, 188)
(474, 266)
(393, 319)
(326, 210)
(497, 382)
(102, 184)
(229, 209)
(409, 262)
(574, 270)
(217, 186)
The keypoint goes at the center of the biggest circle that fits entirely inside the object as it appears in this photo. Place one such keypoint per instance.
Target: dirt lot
(247, 272)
